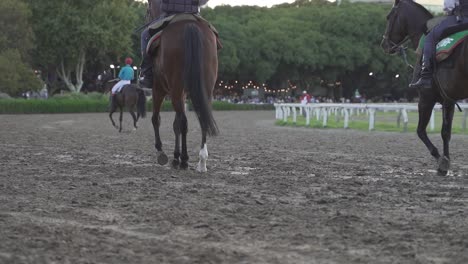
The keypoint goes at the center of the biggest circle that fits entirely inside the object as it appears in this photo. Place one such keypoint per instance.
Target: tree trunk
(65, 73)
(79, 70)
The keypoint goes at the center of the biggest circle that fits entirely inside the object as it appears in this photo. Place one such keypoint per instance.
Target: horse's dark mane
(411, 2)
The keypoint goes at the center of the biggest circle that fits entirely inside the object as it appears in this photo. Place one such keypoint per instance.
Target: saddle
(450, 41)
(156, 29)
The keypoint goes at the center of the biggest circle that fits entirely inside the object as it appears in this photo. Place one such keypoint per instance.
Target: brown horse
(186, 63)
(406, 21)
(131, 96)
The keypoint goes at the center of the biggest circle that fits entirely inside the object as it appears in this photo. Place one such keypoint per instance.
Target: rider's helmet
(128, 61)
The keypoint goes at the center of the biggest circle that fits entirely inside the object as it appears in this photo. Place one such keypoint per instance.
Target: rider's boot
(147, 74)
(425, 81)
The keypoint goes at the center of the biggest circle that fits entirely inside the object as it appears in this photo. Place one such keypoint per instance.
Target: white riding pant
(118, 86)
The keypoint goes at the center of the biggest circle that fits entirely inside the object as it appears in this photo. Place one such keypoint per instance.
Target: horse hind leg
(177, 132)
(184, 130)
(135, 118)
(203, 155)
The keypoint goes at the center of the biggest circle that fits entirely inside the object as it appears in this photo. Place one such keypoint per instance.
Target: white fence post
(371, 119)
(307, 109)
(294, 115)
(325, 117)
(465, 117)
(432, 121)
(285, 114)
(405, 120)
(278, 112)
(346, 118)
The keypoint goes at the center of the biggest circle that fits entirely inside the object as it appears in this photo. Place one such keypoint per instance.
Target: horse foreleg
(448, 110)
(156, 120)
(203, 154)
(425, 112)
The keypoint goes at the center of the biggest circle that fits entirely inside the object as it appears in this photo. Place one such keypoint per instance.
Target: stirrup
(422, 83)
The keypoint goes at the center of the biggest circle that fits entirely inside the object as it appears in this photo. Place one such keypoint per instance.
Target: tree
(16, 41)
(69, 32)
(15, 76)
(309, 43)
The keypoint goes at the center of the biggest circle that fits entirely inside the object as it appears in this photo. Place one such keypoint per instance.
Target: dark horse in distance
(185, 64)
(131, 96)
(407, 21)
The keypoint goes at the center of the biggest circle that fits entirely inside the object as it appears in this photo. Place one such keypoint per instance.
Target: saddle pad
(446, 46)
(158, 27)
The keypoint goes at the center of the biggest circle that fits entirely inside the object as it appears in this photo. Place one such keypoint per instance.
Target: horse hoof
(201, 169)
(162, 158)
(183, 165)
(175, 163)
(441, 172)
(444, 166)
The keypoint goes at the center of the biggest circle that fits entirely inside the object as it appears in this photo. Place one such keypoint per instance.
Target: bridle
(393, 45)
(400, 47)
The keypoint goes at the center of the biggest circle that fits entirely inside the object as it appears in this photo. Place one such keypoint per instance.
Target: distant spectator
(44, 93)
(305, 98)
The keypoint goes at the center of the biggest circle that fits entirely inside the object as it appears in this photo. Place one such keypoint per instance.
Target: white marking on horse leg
(203, 158)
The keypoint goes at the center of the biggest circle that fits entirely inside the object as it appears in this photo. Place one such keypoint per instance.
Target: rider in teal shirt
(126, 73)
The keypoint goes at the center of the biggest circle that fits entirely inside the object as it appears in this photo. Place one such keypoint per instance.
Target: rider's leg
(428, 58)
(146, 63)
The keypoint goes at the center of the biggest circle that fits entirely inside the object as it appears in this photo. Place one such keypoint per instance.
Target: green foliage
(225, 106)
(306, 42)
(15, 27)
(15, 76)
(94, 102)
(73, 35)
(16, 38)
(64, 28)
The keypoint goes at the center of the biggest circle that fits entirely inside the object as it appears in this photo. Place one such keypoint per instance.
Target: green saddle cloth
(446, 46)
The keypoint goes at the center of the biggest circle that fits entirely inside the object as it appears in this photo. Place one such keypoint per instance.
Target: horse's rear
(132, 97)
(186, 64)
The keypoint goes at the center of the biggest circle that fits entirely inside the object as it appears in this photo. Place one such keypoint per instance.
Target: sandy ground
(74, 190)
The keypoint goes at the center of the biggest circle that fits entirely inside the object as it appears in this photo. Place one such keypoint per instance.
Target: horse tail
(141, 103)
(194, 82)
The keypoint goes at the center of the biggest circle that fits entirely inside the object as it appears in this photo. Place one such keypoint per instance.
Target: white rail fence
(325, 111)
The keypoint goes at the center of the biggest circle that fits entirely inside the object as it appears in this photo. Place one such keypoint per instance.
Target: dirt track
(73, 190)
